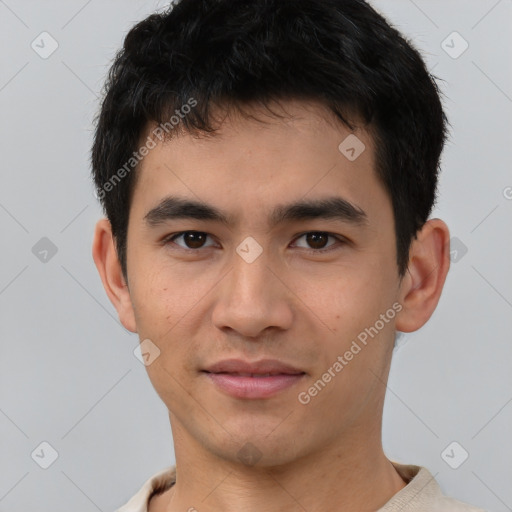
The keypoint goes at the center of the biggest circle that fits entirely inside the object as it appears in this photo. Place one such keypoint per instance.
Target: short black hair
(200, 54)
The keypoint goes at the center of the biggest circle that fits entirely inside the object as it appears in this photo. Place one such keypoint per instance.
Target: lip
(242, 379)
(261, 366)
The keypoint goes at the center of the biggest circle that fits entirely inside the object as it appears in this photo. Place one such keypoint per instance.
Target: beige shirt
(421, 494)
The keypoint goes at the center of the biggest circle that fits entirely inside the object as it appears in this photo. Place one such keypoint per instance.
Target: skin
(300, 307)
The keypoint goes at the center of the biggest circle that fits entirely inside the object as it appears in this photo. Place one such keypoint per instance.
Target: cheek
(353, 309)
(353, 298)
(154, 301)
(167, 307)
(162, 313)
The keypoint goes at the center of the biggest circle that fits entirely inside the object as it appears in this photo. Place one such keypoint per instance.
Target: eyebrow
(172, 207)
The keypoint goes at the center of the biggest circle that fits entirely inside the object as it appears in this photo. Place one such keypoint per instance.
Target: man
(267, 169)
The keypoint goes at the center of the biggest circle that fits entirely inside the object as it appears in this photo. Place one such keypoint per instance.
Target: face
(249, 277)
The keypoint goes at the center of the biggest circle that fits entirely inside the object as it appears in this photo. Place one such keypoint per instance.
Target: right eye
(192, 240)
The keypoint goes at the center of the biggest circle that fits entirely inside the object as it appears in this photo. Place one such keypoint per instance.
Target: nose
(252, 298)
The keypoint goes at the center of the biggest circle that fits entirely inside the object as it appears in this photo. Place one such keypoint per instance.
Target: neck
(352, 473)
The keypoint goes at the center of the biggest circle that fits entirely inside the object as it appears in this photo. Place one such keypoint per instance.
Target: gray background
(68, 372)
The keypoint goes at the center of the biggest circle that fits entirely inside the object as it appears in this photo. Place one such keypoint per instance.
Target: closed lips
(261, 368)
(239, 374)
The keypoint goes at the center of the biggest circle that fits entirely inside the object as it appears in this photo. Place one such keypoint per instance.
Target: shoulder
(158, 483)
(423, 494)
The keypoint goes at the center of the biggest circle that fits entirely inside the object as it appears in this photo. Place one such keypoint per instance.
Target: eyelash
(170, 239)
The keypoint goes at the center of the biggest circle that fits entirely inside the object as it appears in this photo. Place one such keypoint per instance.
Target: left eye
(317, 240)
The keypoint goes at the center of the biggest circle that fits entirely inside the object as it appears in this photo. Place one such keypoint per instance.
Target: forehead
(306, 153)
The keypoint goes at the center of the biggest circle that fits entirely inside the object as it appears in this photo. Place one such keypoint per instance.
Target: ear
(421, 286)
(107, 262)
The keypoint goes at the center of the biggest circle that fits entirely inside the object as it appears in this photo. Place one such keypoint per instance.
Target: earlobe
(105, 257)
(421, 287)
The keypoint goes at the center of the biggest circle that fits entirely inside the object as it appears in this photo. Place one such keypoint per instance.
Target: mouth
(259, 380)
(256, 375)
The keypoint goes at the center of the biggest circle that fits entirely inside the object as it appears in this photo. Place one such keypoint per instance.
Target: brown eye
(317, 240)
(194, 240)
(191, 239)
